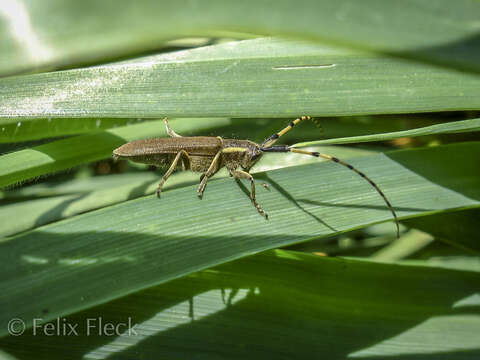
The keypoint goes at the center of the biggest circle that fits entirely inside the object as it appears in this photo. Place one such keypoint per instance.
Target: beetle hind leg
(169, 130)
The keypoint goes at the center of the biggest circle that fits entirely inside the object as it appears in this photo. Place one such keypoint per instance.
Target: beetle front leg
(239, 174)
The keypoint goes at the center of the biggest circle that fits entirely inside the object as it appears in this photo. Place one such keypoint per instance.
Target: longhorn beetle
(208, 154)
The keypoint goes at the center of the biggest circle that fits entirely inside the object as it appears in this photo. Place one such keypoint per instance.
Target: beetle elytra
(208, 154)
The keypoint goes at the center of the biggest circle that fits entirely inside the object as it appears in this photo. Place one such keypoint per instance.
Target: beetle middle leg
(171, 168)
(212, 169)
(240, 174)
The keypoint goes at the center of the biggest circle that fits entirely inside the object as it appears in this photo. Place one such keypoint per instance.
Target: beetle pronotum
(208, 154)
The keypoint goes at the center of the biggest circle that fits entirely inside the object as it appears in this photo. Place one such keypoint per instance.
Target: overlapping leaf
(252, 78)
(443, 31)
(250, 306)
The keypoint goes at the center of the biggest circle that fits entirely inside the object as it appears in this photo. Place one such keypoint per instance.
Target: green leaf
(466, 263)
(405, 246)
(442, 31)
(148, 241)
(457, 228)
(446, 128)
(340, 307)
(25, 130)
(61, 203)
(252, 78)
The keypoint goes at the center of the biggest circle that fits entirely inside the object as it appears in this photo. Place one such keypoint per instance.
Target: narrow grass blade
(28, 129)
(446, 128)
(252, 78)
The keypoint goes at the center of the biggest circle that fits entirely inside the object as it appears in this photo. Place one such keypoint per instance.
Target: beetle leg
(169, 130)
(171, 168)
(212, 169)
(240, 174)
